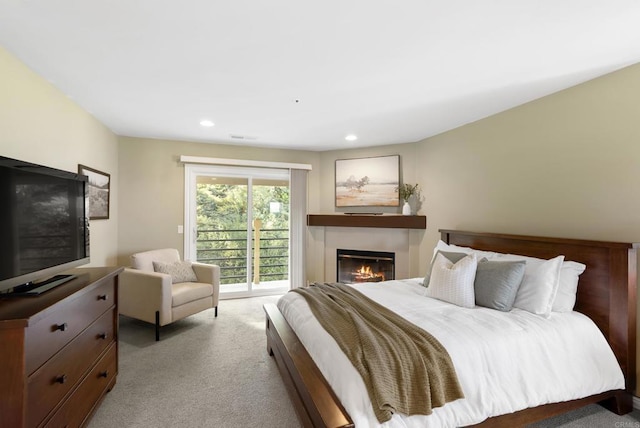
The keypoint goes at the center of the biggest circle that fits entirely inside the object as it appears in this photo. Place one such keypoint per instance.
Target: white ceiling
(304, 74)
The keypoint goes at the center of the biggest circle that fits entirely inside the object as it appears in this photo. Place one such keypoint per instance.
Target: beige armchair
(162, 298)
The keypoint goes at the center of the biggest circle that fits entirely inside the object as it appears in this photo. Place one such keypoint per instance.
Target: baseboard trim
(636, 402)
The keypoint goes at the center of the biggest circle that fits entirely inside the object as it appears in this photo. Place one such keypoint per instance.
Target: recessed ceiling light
(207, 123)
(351, 137)
(242, 137)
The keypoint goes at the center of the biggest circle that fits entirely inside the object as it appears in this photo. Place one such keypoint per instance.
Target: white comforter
(505, 361)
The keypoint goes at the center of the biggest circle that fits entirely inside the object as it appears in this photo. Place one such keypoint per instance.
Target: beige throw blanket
(405, 369)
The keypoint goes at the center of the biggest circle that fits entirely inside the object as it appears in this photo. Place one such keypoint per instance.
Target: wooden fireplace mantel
(394, 221)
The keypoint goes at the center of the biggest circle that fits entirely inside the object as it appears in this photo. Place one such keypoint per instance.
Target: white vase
(406, 208)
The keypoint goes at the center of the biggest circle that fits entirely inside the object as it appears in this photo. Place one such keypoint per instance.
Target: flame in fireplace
(365, 270)
(365, 273)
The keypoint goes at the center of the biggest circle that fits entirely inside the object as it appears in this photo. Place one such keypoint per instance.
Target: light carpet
(216, 372)
(204, 372)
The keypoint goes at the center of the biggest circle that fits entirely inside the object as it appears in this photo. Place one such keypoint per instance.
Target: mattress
(505, 361)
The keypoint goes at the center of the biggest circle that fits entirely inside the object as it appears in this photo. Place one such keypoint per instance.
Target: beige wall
(39, 124)
(152, 200)
(566, 165)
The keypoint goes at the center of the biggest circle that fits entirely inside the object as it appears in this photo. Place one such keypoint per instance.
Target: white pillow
(441, 245)
(540, 284)
(453, 283)
(565, 299)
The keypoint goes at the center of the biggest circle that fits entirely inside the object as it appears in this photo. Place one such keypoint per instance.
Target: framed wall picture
(368, 182)
(99, 183)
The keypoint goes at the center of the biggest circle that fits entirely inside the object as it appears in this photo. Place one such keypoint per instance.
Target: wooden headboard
(606, 290)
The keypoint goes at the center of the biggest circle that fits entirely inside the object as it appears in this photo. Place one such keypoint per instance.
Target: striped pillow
(454, 282)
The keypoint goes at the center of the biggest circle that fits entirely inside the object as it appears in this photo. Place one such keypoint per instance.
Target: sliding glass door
(238, 218)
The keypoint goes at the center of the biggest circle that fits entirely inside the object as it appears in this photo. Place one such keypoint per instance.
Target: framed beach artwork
(99, 183)
(368, 182)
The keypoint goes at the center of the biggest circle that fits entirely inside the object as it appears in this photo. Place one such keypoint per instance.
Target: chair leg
(216, 311)
(157, 326)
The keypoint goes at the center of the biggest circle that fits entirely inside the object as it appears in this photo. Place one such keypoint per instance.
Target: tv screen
(44, 223)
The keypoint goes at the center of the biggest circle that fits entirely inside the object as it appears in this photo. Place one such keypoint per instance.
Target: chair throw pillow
(180, 271)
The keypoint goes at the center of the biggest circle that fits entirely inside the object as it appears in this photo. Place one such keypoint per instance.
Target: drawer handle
(102, 336)
(62, 327)
(103, 297)
(61, 379)
(104, 374)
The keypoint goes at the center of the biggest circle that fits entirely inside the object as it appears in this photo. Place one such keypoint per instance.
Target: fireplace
(365, 266)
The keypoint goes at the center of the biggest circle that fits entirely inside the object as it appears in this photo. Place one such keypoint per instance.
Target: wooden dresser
(59, 351)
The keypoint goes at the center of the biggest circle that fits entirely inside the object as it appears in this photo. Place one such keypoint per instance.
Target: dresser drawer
(64, 321)
(81, 403)
(49, 384)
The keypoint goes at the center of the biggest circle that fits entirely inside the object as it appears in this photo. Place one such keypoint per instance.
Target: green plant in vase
(406, 191)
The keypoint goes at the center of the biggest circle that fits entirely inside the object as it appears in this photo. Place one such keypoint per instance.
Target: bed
(606, 294)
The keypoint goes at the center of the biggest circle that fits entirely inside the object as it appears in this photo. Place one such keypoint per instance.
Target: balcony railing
(228, 249)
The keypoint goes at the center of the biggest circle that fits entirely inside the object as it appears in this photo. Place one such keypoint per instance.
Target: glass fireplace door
(365, 266)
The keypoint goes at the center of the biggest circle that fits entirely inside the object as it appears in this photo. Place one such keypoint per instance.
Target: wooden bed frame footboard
(606, 293)
(313, 398)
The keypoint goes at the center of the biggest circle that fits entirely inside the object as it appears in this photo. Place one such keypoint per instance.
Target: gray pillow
(452, 257)
(497, 283)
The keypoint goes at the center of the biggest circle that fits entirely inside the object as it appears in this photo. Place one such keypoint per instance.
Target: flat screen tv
(44, 226)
